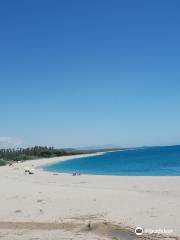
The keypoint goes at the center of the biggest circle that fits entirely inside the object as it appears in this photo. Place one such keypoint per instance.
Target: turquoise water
(154, 161)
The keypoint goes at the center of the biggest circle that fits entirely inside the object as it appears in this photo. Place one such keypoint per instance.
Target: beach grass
(2, 162)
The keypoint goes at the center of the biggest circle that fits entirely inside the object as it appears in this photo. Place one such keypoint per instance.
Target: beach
(48, 205)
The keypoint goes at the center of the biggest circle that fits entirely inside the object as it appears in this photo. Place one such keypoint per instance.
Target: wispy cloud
(10, 142)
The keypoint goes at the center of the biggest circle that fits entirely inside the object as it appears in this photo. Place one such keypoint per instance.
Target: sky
(80, 73)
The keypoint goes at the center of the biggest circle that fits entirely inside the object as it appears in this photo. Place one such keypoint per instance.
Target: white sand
(149, 202)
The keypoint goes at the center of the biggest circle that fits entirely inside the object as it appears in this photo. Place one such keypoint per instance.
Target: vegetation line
(22, 154)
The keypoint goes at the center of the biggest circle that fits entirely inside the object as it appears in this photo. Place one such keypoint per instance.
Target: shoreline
(53, 160)
(47, 197)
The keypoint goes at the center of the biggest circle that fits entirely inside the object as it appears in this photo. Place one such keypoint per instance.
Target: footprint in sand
(41, 211)
(18, 211)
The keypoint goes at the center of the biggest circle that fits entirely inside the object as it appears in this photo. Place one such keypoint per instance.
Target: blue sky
(77, 73)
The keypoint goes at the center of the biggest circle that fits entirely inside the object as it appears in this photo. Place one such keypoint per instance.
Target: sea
(147, 161)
